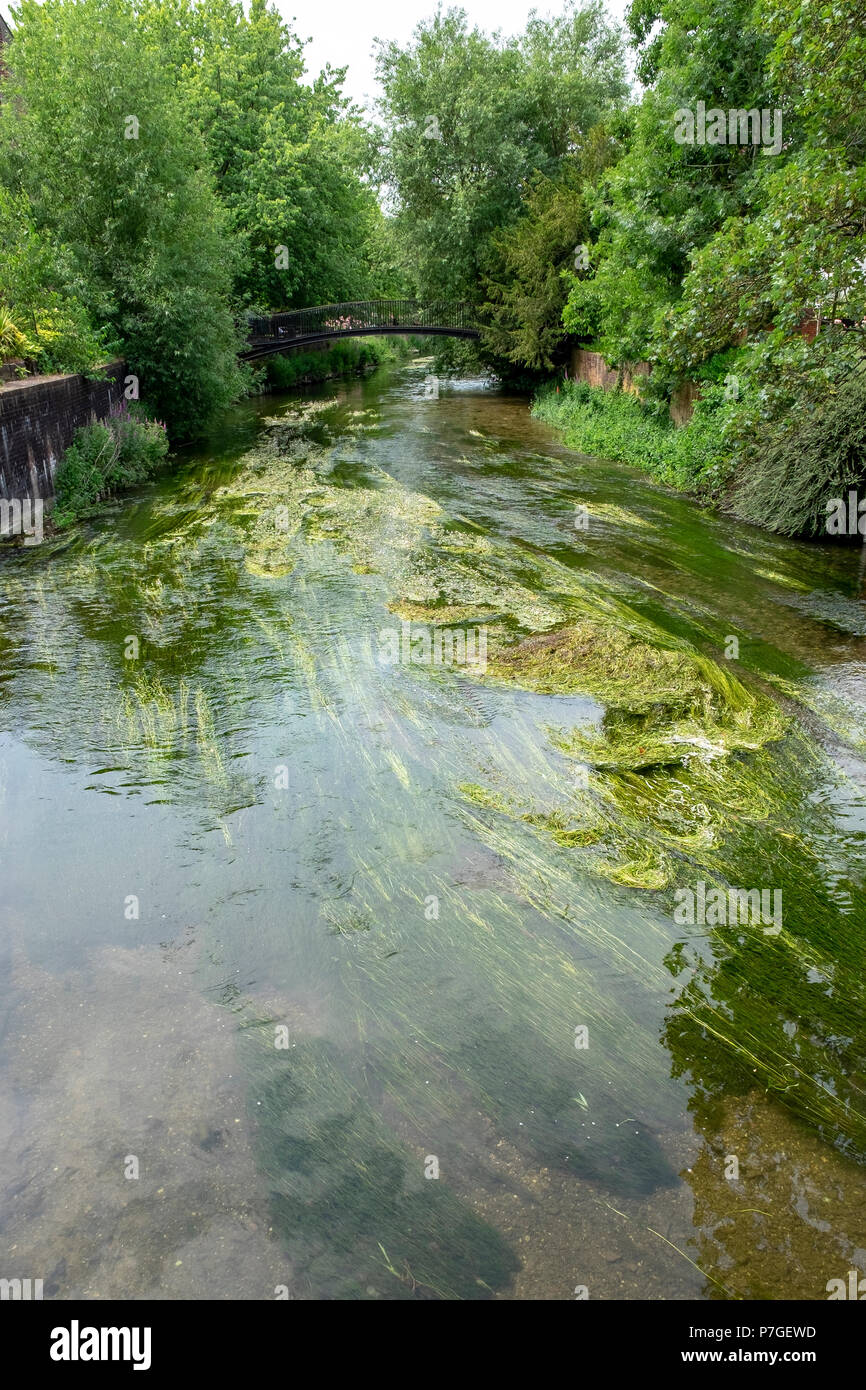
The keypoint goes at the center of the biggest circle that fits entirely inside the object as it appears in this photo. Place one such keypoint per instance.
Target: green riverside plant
(103, 458)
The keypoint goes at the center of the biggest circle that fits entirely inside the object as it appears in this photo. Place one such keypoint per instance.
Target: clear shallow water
(292, 817)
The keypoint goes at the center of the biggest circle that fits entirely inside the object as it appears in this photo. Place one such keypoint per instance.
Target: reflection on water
(299, 929)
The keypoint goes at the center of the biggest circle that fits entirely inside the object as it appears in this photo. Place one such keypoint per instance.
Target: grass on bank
(618, 425)
(785, 465)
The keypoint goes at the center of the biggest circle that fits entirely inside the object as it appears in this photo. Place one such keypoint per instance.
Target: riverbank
(618, 425)
(331, 362)
(798, 485)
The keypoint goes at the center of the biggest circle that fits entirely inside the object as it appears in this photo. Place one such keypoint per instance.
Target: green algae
(617, 516)
(694, 773)
(621, 668)
(786, 580)
(569, 831)
(346, 921)
(647, 871)
(564, 826)
(636, 744)
(336, 1171)
(729, 1020)
(596, 658)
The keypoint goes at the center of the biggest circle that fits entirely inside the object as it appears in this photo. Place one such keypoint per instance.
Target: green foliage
(92, 135)
(526, 282)
(343, 358)
(797, 252)
(12, 341)
(289, 159)
(472, 120)
(162, 165)
(711, 258)
(620, 426)
(389, 271)
(794, 465)
(663, 200)
(103, 458)
(42, 292)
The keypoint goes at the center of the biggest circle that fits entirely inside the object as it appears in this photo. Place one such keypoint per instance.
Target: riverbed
(332, 972)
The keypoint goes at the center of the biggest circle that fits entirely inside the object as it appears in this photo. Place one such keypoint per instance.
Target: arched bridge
(279, 332)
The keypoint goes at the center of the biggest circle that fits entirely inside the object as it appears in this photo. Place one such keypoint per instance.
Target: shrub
(103, 458)
(13, 342)
(344, 358)
(42, 296)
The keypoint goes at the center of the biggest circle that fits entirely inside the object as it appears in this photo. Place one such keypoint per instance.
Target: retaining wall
(592, 368)
(39, 416)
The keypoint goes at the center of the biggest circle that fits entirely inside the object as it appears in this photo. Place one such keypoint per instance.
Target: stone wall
(38, 417)
(683, 402)
(592, 368)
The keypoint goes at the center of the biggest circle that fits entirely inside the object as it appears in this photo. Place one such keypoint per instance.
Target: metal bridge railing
(354, 317)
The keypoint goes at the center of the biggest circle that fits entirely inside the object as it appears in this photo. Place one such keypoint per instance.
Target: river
(327, 974)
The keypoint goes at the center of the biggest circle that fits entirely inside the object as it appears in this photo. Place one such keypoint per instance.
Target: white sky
(343, 30)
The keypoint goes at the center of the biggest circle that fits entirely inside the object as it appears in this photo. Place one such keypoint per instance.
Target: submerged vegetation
(460, 867)
(687, 772)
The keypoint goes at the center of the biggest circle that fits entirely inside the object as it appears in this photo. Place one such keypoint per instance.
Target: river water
(326, 974)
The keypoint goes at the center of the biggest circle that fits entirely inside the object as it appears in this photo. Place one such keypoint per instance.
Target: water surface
(296, 928)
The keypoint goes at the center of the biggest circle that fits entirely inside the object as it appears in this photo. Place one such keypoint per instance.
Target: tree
(44, 298)
(92, 136)
(664, 200)
(530, 259)
(712, 258)
(471, 120)
(799, 249)
(289, 160)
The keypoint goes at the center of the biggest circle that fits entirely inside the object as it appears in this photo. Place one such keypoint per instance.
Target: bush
(148, 255)
(13, 343)
(42, 296)
(103, 458)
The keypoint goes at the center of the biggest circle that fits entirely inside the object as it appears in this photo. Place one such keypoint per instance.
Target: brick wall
(38, 418)
(5, 37)
(682, 405)
(592, 368)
